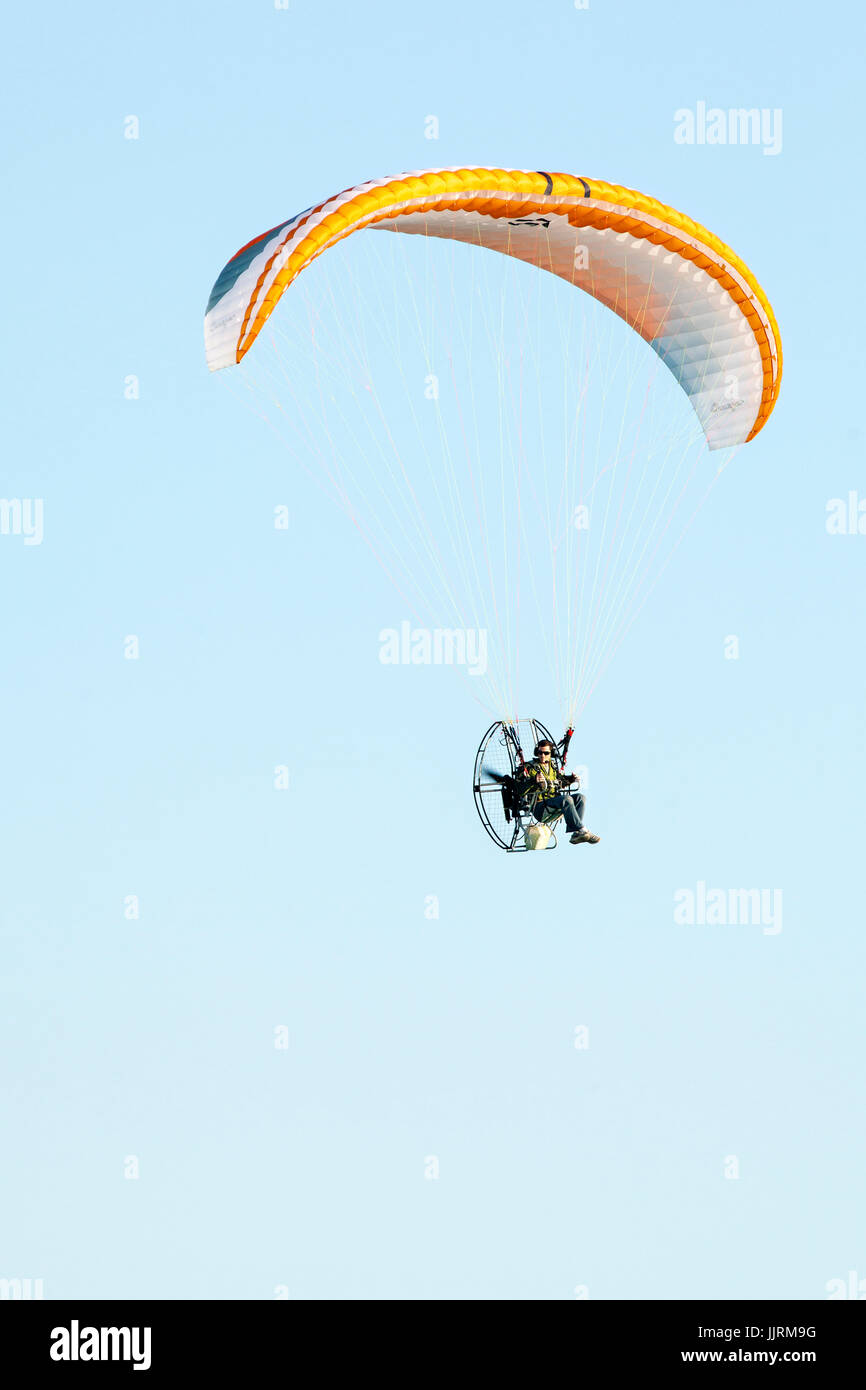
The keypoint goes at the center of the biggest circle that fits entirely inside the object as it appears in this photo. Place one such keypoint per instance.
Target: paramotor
(506, 812)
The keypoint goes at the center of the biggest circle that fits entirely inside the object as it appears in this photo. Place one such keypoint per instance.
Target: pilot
(543, 780)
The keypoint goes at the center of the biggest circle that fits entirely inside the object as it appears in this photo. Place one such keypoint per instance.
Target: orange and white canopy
(681, 288)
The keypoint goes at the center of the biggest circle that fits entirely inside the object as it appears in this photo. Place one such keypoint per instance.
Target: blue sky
(560, 1168)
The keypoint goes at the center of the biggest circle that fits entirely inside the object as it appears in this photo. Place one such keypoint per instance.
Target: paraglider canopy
(676, 284)
(521, 453)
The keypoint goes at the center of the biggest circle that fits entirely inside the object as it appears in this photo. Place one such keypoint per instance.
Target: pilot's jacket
(555, 781)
